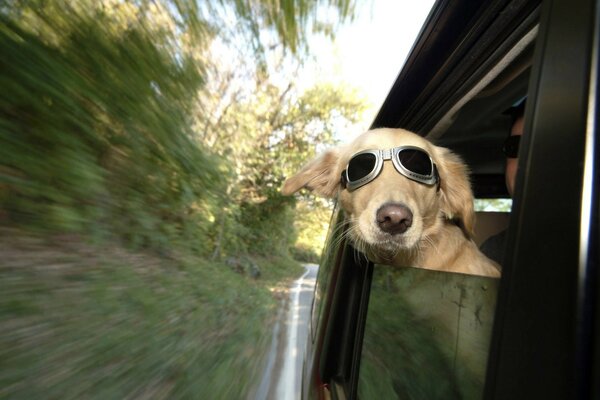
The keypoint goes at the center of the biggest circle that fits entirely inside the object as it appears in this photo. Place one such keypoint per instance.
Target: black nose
(394, 218)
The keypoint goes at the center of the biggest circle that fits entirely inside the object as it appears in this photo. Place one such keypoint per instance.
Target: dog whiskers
(427, 240)
(350, 232)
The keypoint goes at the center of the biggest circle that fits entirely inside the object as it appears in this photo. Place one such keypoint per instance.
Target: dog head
(392, 212)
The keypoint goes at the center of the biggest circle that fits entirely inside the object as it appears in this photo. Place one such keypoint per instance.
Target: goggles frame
(391, 154)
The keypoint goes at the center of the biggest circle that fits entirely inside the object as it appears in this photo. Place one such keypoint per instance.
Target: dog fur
(439, 236)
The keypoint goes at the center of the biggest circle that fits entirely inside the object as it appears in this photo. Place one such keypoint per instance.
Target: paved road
(282, 376)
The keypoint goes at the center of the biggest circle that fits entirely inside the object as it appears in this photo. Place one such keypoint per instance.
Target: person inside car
(494, 246)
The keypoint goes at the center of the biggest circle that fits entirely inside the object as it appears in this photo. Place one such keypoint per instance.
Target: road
(282, 376)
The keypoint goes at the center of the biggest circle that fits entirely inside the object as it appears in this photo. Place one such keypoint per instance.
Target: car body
(534, 332)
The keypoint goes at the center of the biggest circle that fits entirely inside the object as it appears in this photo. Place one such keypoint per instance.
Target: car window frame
(536, 343)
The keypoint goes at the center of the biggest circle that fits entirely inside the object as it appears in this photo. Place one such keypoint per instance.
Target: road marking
(287, 388)
(265, 382)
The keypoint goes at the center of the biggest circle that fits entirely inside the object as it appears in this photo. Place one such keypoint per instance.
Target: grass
(83, 322)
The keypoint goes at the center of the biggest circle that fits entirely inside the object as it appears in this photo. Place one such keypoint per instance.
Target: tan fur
(443, 221)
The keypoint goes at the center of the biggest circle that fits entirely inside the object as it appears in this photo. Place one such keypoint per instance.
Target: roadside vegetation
(82, 321)
(143, 238)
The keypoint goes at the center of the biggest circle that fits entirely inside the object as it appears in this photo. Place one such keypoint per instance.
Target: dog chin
(392, 245)
(386, 243)
(375, 241)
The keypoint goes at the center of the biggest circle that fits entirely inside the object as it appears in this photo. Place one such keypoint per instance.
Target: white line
(286, 387)
(265, 382)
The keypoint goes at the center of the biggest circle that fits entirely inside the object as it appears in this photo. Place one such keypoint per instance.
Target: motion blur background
(144, 244)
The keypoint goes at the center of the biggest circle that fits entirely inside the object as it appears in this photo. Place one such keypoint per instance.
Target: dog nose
(394, 218)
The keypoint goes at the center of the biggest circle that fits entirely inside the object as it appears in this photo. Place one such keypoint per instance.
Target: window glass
(427, 335)
(495, 205)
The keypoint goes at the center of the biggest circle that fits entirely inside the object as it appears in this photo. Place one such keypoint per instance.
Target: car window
(427, 335)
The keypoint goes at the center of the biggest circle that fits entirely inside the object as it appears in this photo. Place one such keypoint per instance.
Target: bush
(96, 135)
(305, 254)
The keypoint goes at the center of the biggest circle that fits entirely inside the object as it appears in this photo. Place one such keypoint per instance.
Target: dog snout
(394, 218)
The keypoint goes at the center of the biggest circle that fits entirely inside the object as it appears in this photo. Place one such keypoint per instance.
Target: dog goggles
(412, 162)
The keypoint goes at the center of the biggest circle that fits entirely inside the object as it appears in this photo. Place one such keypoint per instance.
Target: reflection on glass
(427, 335)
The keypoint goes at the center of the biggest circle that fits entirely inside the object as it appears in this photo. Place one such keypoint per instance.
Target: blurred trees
(266, 132)
(95, 122)
(119, 119)
(152, 124)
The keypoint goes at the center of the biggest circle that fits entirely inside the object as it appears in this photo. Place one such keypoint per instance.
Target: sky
(368, 52)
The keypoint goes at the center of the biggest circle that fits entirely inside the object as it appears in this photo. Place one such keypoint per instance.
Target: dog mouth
(391, 243)
(386, 242)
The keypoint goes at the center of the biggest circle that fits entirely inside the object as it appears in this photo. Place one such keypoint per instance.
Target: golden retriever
(421, 216)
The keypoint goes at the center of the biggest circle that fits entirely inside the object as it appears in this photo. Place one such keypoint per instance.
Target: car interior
(477, 131)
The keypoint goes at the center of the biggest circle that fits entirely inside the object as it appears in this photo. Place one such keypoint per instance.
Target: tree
(96, 134)
(289, 21)
(266, 132)
(97, 109)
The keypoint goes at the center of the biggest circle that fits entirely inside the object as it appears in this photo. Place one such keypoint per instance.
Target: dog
(409, 203)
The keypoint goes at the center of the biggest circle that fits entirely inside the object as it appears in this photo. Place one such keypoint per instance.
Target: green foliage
(267, 133)
(291, 20)
(117, 126)
(272, 225)
(311, 223)
(99, 141)
(102, 132)
(305, 254)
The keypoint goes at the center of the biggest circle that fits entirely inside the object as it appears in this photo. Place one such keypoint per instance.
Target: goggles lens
(361, 165)
(416, 161)
(511, 146)
(412, 162)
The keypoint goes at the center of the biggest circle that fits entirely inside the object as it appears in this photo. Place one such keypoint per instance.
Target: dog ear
(455, 189)
(319, 175)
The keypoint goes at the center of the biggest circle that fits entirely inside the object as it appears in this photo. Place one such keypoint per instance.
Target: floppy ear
(455, 189)
(319, 175)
